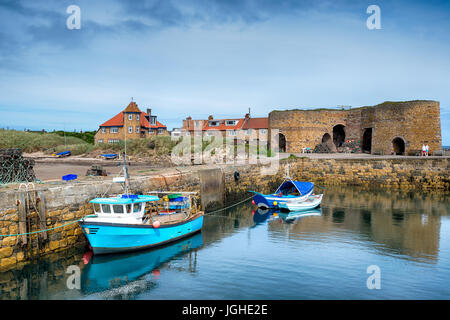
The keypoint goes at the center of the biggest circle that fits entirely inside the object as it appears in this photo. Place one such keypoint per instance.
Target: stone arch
(327, 140)
(398, 146)
(281, 138)
(366, 145)
(338, 135)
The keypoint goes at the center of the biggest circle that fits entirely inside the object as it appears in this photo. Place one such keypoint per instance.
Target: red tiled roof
(117, 120)
(132, 107)
(222, 126)
(256, 123)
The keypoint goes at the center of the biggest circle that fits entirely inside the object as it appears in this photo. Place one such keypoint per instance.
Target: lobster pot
(15, 168)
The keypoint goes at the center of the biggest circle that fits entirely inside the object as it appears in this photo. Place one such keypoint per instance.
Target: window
(137, 129)
(231, 122)
(160, 131)
(137, 117)
(245, 131)
(214, 123)
(113, 140)
(151, 131)
(106, 208)
(153, 120)
(118, 208)
(231, 133)
(114, 130)
(100, 140)
(137, 207)
(103, 130)
(96, 208)
(130, 116)
(128, 206)
(263, 131)
(130, 129)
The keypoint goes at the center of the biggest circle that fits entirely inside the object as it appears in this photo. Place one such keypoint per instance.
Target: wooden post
(42, 212)
(22, 215)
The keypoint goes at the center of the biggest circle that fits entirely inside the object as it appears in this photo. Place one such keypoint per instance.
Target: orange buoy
(156, 224)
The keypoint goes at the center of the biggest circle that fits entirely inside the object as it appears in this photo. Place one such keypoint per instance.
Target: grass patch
(33, 141)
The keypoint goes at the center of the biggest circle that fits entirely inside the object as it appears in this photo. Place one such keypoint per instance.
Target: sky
(220, 57)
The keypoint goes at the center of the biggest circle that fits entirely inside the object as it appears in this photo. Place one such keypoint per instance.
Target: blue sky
(201, 57)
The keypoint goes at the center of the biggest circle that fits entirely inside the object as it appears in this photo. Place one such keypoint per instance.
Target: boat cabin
(124, 206)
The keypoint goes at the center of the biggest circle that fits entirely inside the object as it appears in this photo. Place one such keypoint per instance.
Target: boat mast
(125, 168)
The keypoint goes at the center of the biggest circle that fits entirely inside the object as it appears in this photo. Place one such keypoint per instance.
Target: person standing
(423, 150)
(427, 148)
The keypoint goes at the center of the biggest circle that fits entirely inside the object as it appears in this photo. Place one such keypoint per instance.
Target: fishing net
(14, 167)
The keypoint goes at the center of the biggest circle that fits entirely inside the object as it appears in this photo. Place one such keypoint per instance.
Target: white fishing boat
(311, 202)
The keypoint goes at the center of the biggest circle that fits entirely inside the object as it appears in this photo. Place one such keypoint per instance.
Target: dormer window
(214, 123)
(153, 120)
(231, 122)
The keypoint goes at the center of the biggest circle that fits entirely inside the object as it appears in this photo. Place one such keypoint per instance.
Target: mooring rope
(39, 231)
(226, 208)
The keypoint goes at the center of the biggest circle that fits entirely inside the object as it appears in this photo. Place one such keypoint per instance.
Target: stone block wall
(415, 122)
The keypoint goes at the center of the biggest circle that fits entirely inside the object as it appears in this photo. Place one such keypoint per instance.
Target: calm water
(242, 254)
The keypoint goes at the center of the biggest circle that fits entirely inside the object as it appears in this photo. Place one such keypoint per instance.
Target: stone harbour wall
(69, 202)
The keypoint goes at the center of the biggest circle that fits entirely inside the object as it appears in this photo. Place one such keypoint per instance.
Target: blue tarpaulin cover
(302, 187)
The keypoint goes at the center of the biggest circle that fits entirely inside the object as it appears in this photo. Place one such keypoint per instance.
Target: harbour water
(243, 253)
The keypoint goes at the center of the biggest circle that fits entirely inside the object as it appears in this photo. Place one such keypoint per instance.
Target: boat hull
(310, 203)
(115, 237)
(273, 201)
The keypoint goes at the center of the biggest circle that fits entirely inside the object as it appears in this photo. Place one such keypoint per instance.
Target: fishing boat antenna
(125, 174)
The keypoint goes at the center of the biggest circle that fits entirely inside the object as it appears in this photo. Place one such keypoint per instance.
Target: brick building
(131, 123)
(387, 128)
(243, 129)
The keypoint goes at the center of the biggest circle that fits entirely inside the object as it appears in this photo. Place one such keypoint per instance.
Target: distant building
(176, 133)
(131, 123)
(399, 128)
(243, 129)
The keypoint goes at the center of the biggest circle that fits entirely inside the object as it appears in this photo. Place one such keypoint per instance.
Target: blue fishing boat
(288, 192)
(131, 222)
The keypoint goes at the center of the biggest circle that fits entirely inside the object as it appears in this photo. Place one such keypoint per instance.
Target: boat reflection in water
(106, 272)
(262, 215)
(294, 217)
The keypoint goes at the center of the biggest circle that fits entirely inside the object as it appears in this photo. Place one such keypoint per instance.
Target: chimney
(247, 115)
(210, 118)
(149, 112)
